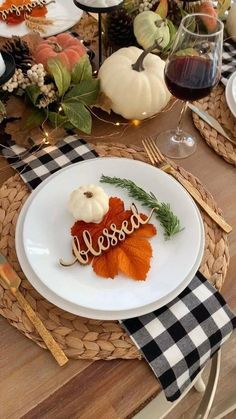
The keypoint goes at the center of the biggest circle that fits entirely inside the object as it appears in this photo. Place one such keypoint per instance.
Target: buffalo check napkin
(176, 340)
(228, 61)
(38, 163)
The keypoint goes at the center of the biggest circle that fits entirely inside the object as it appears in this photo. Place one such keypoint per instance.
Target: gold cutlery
(157, 159)
(12, 281)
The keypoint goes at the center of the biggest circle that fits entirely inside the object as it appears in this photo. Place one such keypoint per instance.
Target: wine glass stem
(181, 120)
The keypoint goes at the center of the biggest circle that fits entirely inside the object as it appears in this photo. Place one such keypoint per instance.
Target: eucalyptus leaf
(3, 112)
(60, 73)
(58, 120)
(78, 116)
(82, 70)
(86, 92)
(33, 92)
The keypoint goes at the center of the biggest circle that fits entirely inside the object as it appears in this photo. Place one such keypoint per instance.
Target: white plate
(76, 309)
(46, 238)
(230, 93)
(64, 13)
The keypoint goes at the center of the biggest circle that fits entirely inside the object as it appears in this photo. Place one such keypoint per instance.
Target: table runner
(179, 368)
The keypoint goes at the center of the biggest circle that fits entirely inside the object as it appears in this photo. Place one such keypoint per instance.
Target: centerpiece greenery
(44, 100)
(53, 88)
(122, 27)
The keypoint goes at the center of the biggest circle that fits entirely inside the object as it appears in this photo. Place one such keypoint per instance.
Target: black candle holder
(99, 11)
(10, 67)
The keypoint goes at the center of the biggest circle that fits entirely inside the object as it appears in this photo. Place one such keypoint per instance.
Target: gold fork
(157, 159)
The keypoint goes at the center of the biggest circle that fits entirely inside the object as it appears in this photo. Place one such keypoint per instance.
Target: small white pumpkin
(231, 22)
(150, 27)
(134, 82)
(88, 203)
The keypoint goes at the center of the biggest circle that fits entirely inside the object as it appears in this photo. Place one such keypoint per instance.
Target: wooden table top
(33, 386)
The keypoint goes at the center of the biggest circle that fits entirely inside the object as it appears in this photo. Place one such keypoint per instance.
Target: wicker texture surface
(215, 104)
(79, 337)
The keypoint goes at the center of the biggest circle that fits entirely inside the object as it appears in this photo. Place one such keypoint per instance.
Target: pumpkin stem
(138, 66)
(56, 46)
(88, 194)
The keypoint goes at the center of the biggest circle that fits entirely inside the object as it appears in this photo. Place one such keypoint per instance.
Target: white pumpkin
(231, 22)
(150, 27)
(88, 203)
(134, 82)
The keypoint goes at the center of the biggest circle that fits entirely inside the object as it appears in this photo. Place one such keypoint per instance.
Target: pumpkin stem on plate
(56, 46)
(88, 194)
(138, 66)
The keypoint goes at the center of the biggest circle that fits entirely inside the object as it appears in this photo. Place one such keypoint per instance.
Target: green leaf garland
(58, 120)
(35, 119)
(33, 92)
(86, 92)
(82, 70)
(78, 116)
(60, 73)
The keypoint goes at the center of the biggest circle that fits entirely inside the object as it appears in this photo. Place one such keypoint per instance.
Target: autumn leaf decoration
(131, 256)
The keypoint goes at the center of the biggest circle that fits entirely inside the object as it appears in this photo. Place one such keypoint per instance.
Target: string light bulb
(46, 138)
(136, 122)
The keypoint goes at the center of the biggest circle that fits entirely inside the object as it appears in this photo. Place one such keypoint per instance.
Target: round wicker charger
(80, 337)
(215, 104)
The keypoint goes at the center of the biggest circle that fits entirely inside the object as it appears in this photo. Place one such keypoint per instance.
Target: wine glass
(192, 69)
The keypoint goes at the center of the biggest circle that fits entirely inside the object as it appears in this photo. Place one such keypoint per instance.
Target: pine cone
(119, 28)
(21, 53)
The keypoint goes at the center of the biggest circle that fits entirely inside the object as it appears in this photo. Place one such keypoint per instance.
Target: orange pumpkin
(210, 22)
(63, 46)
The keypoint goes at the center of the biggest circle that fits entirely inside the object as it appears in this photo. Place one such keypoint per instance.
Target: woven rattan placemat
(215, 104)
(81, 337)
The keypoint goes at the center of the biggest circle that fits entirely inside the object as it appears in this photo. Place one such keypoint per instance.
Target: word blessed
(108, 239)
(24, 7)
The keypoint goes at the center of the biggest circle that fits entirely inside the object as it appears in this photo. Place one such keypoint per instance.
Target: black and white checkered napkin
(176, 340)
(38, 163)
(228, 61)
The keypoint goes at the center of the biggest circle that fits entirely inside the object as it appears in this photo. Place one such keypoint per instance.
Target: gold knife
(12, 281)
(210, 121)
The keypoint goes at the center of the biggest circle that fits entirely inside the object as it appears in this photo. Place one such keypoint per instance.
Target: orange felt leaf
(131, 256)
(39, 11)
(145, 231)
(116, 214)
(134, 257)
(106, 265)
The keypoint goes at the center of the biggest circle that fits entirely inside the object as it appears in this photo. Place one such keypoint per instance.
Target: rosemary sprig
(168, 220)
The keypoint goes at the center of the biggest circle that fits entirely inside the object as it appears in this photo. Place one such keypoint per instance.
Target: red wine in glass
(192, 69)
(190, 77)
